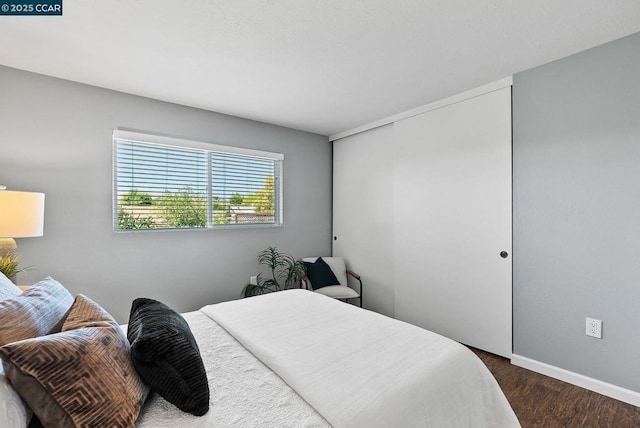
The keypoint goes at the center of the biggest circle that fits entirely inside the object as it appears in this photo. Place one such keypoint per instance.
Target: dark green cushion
(320, 274)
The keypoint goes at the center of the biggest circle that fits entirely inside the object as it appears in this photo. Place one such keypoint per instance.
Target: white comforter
(244, 392)
(361, 369)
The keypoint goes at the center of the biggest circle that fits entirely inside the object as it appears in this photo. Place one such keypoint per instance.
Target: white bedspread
(361, 369)
(243, 391)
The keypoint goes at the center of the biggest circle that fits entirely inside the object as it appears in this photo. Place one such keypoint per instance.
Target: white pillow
(8, 289)
(339, 270)
(13, 411)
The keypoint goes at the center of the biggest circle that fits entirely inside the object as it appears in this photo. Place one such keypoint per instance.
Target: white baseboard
(613, 391)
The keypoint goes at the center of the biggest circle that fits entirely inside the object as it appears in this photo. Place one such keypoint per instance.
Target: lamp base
(7, 246)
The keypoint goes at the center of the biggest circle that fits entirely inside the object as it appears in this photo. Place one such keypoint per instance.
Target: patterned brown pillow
(35, 312)
(82, 376)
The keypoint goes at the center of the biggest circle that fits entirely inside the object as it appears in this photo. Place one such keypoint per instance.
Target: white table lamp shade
(21, 214)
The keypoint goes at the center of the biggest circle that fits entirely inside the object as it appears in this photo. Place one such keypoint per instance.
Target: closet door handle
(504, 254)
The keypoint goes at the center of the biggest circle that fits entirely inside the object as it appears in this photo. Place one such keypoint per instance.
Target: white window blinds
(168, 183)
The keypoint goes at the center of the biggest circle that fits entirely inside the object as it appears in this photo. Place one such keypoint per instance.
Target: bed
(300, 359)
(306, 360)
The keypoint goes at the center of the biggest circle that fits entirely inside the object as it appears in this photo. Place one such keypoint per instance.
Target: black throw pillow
(320, 274)
(166, 356)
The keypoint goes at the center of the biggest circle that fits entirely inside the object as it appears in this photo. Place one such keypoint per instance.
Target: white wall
(55, 137)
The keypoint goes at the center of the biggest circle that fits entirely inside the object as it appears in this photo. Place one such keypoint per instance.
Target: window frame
(182, 143)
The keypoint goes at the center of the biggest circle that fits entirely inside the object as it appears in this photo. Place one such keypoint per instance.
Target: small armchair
(329, 276)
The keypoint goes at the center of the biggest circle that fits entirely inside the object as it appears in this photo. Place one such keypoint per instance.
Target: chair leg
(361, 293)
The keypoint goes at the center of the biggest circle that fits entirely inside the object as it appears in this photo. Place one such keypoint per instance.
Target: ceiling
(323, 66)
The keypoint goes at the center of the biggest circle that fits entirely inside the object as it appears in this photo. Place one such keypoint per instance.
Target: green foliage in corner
(286, 272)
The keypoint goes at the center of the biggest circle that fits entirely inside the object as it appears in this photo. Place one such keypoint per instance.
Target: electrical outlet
(253, 280)
(594, 328)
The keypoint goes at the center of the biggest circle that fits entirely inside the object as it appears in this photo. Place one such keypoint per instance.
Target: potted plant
(286, 272)
(9, 266)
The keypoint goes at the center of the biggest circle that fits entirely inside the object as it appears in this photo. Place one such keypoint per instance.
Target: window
(167, 183)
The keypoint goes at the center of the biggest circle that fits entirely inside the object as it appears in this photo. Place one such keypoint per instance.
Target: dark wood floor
(541, 401)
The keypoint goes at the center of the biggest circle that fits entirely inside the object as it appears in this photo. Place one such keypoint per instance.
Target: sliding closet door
(362, 207)
(452, 221)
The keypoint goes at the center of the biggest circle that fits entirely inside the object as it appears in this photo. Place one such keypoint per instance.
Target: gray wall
(55, 137)
(576, 181)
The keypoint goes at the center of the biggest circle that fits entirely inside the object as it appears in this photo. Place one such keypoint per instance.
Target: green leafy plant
(129, 221)
(236, 199)
(251, 290)
(263, 199)
(135, 197)
(183, 209)
(286, 272)
(221, 211)
(9, 265)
